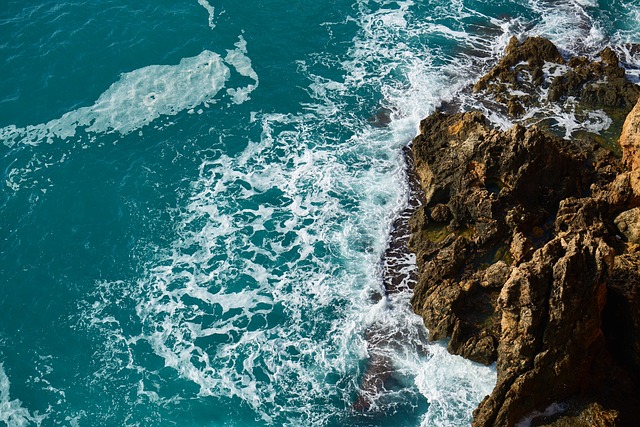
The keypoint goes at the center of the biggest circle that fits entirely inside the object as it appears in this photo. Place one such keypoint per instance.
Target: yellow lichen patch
(456, 128)
(478, 170)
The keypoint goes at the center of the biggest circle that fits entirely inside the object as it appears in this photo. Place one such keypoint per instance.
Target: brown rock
(596, 84)
(521, 272)
(622, 315)
(630, 139)
(521, 247)
(551, 308)
(628, 222)
(418, 220)
(440, 213)
(476, 175)
(609, 57)
(634, 182)
(589, 415)
(496, 275)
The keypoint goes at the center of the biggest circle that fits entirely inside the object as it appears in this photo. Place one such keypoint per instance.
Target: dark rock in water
(533, 79)
(382, 118)
(534, 51)
(398, 277)
(519, 245)
(596, 84)
(378, 371)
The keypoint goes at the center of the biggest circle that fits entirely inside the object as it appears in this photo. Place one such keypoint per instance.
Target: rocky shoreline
(527, 242)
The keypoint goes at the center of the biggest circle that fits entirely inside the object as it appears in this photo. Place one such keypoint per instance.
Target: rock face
(526, 245)
(590, 415)
(628, 222)
(500, 191)
(551, 318)
(630, 139)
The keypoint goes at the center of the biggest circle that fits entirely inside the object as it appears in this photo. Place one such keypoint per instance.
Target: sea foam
(264, 295)
(12, 413)
(138, 98)
(143, 95)
(210, 10)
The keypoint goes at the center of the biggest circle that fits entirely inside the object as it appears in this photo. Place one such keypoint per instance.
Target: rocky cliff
(527, 243)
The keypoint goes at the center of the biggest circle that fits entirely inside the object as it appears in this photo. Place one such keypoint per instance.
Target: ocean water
(196, 196)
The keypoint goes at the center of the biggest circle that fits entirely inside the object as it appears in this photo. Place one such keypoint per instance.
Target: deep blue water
(195, 198)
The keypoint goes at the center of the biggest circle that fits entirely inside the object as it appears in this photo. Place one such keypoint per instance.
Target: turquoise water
(196, 196)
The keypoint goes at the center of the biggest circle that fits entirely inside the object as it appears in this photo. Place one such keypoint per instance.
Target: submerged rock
(534, 52)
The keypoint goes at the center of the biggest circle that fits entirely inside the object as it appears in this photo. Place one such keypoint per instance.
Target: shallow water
(196, 197)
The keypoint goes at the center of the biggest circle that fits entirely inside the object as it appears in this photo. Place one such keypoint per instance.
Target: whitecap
(242, 63)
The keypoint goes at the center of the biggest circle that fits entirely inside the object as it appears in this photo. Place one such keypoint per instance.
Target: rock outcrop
(630, 140)
(533, 79)
(551, 318)
(527, 243)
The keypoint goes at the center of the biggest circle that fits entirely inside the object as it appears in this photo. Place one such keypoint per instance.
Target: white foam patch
(625, 39)
(587, 3)
(569, 25)
(293, 232)
(147, 96)
(210, 10)
(242, 63)
(12, 413)
(452, 385)
(138, 98)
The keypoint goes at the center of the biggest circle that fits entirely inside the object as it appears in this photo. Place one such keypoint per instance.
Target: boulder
(628, 222)
(630, 139)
